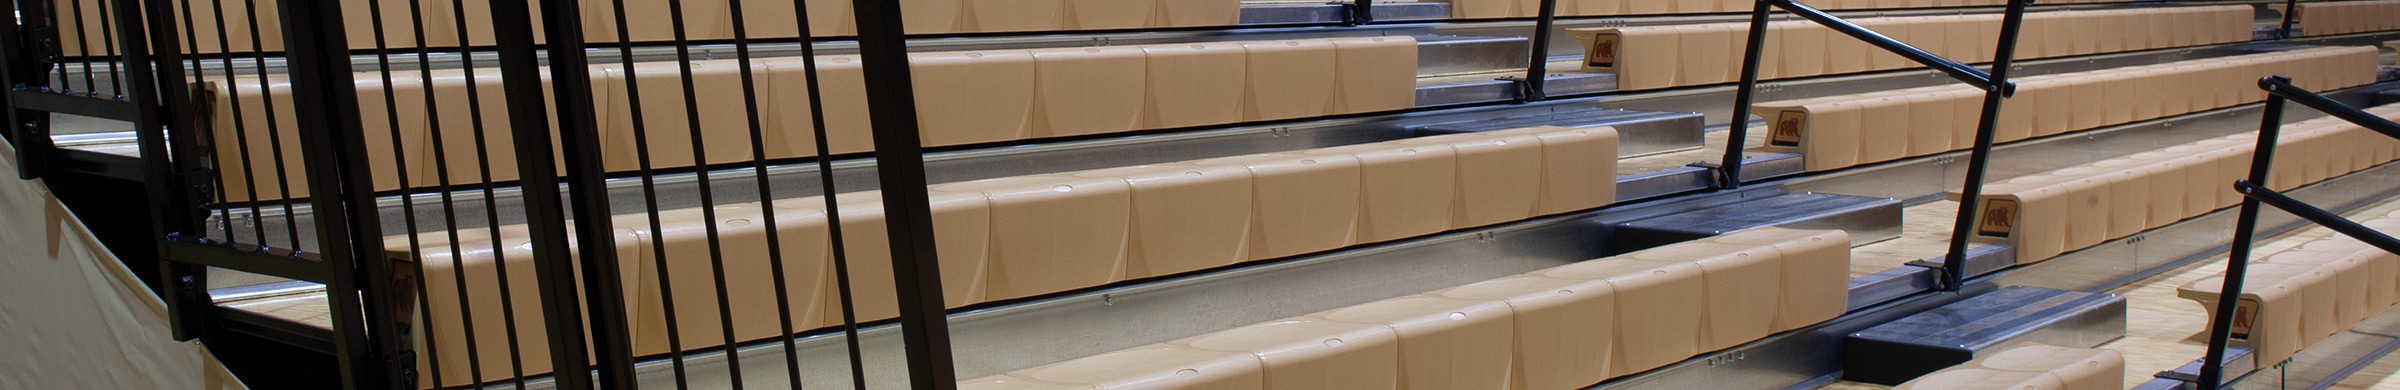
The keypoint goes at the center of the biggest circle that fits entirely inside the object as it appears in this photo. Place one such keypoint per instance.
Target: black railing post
(156, 72)
(1361, 13)
(25, 60)
(900, 169)
(342, 191)
(1537, 75)
(2291, 9)
(1954, 262)
(1730, 174)
(2245, 227)
(555, 265)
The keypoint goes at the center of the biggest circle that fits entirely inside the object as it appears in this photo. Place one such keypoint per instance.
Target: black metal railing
(2254, 193)
(1994, 83)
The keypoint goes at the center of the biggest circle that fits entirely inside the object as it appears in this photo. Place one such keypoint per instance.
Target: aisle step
(1867, 219)
(1912, 346)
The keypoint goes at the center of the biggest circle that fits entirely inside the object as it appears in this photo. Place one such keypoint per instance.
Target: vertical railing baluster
(641, 148)
(833, 208)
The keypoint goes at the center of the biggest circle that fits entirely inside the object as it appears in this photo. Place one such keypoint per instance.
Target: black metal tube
(2291, 8)
(833, 206)
(2280, 86)
(483, 170)
(342, 190)
(900, 169)
(766, 191)
(641, 155)
(1962, 72)
(571, 84)
(1738, 127)
(2319, 216)
(441, 175)
(266, 97)
(408, 204)
(1537, 75)
(708, 200)
(1954, 262)
(2245, 227)
(24, 64)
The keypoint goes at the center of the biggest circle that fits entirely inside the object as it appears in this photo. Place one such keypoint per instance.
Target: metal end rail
(2279, 91)
(1994, 83)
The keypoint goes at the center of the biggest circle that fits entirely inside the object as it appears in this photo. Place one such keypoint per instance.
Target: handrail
(1994, 83)
(2279, 90)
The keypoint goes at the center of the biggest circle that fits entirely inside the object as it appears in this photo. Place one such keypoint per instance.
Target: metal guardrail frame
(1995, 85)
(2279, 92)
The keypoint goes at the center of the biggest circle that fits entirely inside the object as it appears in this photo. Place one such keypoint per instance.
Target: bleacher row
(1840, 131)
(2031, 367)
(1649, 57)
(1030, 235)
(2344, 17)
(2073, 208)
(2295, 298)
(1564, 327)
(1477, 9)
(712, 20)
(965, 98)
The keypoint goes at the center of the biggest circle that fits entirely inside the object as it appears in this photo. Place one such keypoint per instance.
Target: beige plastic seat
(1374, 74)
(1156, 366)
(723, 118)
(1555, 323)
(2053, 101)
(254, 126)
(1405, 190)
(1307, 353)
(2076, 368)
(844, 87)
(1595, 7)
(1185, 217)
(1642, 57)
(2088, 210)
(741, 246)
(1883, 129)
(1499, 176)
(1483, 9)
(1015, 15)
(1803, 49)
(2275, 330)
(2034, 218)
(1053, 233)
(1006, 382)
(1445, 343)
(984, 96)
(1742, 284)
(1661, 306)
(475, 270)
(1290, 79)
(1089, 90)
(2349, 277)
(1843, 54)
(1110, 15)
(1193, 13)
(1980, 378)
(1194, 84)
(1825, 132)
(1301, 203)
(1706, 57)
(962, 239)
(1579, 166)
(456, 127)
(1932, 117)
(1815, 269)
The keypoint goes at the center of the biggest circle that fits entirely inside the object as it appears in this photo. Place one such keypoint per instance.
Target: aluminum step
(1867, 219)
(1913, 346)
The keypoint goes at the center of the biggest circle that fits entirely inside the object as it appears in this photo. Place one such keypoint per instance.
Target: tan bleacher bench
(2295, 298)
(2046, 214)
(2345, 17)
(1037, 234)
(649, 21)
(2031, 367)
(1841, 131)
(1565, 327)
(1649, 57)
(982, 96)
